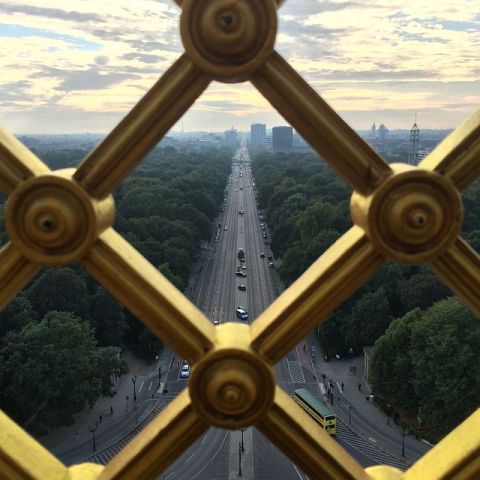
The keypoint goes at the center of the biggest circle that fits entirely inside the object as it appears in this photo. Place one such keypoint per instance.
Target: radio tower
(414, 139)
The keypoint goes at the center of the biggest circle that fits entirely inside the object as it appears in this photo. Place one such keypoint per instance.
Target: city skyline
(70, 67)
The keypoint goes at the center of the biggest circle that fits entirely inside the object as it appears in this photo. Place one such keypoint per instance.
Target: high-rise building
(373, 132)
(282, 139)
(414, 141)
(231, 138)
(258, 133)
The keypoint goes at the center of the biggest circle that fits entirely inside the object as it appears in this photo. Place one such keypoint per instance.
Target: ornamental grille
(400, 212)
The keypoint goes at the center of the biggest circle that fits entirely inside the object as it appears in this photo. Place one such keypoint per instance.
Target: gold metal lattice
(408, 214)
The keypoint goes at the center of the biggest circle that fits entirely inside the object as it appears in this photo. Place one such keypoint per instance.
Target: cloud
(366, 58)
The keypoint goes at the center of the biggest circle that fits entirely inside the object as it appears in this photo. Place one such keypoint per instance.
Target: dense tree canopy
(428, 363)
(51, 369)
(50, 364)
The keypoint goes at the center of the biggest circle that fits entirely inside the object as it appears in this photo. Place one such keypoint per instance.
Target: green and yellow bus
(318, 410)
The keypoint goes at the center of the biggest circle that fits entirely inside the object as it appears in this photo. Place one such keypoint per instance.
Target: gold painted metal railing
(408, 214)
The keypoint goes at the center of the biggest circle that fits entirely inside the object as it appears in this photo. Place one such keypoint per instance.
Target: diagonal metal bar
(119, 153)
(457, 456)
(17, 162)
(459, 268)
(159, 444)
(306, 443)
(320, 125)
(331, 279)
(15, 272)
(149, 296)
(21, 457)
(458, 156)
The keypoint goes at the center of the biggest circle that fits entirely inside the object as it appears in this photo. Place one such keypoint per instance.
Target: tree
(429, 362)
(51, 369)
(446, 358)
(16, 315)
(368, 320)
(59, 289)
(391, 368)
(107, 317)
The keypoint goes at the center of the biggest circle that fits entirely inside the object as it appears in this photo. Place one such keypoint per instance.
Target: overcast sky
(77, 66)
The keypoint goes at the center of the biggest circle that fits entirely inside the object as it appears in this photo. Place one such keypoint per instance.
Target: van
(241, 313)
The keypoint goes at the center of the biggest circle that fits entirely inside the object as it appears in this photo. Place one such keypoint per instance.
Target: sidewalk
(352, 403)
(107, 411)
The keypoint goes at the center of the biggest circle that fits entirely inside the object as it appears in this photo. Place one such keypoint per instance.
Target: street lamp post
(349, 414)
(239, 459)
(134, 380)
(403, 443)
(242, 430)
(92, 431)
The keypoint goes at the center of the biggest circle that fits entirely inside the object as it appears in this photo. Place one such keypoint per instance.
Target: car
(225, 228)
(270, 257)
(240, 274)
(241, 313)
(271, 265)
(241, 212)
(185, 372)
(262, 255)
(243, 267)
(216, 322)
(242, 287)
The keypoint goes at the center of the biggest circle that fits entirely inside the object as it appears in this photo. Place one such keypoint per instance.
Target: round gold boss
(228, 39)
(412, 217)
(231, 387)
(53, 221)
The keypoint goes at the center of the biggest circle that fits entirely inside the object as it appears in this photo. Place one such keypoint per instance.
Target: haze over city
(72, 67)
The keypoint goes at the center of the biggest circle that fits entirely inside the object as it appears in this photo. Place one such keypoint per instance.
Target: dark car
(240, 274)
(262, 255)
(242, 287)
(270, 257)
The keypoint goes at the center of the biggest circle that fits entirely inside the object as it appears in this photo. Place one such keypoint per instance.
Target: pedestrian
(76, 436)
(342, 386)
(304, 346)
(101, 418)
(127, 398)
(111, 410)
(359, 387)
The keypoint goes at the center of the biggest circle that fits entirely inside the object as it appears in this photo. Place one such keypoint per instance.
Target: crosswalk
(296, 371)
(367, 448)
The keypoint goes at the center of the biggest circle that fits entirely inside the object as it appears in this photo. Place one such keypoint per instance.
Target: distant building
(258, 134)
(413, 156)
(382, 132)
(300, 145)
(231, 138)
(373, 132)
(282, 139)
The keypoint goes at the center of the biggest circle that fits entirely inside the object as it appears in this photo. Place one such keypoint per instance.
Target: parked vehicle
(185, 372)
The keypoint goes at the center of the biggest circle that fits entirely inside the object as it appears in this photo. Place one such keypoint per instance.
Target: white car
(185, 372)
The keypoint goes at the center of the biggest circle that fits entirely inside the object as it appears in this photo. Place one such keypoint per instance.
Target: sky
(80, 66)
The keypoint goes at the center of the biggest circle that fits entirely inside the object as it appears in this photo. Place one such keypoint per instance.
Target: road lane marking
(141, 386)
(190, 457)
(203, 439)
(150, 386)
